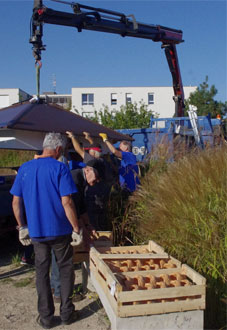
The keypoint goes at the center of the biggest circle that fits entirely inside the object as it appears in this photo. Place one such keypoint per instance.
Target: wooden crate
(104, 239)
(147, 283)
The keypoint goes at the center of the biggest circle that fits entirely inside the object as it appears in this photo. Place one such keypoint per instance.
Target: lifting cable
(38, 65)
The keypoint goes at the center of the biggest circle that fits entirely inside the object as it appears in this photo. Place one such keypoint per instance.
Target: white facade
(63, 100)
(9, 96)
(158, 99)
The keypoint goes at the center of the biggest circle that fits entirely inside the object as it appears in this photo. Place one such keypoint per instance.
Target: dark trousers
(55, 276)
(63, 252)
(28, 251)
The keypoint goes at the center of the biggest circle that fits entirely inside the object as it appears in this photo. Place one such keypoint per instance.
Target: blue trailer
(165, 130)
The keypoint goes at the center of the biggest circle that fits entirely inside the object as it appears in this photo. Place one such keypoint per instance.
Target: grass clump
(16, 259)
(6, 280)
(23, 282)
(183, 208)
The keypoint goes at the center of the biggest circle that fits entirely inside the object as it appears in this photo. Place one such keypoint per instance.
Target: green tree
(203, 99)
(129, 116)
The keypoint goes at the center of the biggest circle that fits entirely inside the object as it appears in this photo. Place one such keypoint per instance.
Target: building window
(150, 98)
(113, 98)
(63, 100)
(128, 97)
(87, 99)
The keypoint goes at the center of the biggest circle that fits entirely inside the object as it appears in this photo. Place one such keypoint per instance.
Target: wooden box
(144, 280)
(103, 239)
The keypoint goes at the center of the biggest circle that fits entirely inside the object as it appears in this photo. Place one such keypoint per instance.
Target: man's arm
(110, 146)
(70, 212)
(76, 144)
(18, 211)
(88, 137)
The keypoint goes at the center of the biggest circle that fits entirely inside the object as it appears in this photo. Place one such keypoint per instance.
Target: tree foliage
(129, 116)
(203, 99)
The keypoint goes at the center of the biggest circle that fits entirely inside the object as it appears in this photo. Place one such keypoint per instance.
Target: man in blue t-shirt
(128, 170)
(44, 186)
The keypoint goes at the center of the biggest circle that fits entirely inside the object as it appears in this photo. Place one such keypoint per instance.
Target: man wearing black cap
(93, 193)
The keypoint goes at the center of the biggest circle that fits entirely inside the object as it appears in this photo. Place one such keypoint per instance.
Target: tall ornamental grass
(11, 158)
(183, 207)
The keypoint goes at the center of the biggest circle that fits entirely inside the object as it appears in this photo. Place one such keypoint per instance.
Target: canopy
(23, 126)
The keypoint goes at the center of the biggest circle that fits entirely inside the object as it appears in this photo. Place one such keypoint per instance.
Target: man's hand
(69, 134)
(24, 237)
(86, 135)
(103, 136)
(77, 239)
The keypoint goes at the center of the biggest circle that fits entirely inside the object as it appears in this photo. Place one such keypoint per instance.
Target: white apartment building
(9, 96)
(64, 100)
(86, 100)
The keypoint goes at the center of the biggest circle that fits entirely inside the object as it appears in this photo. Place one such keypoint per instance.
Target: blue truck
(165, 130)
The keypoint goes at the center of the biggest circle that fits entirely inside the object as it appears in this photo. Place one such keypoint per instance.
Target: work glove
(24, 236)
(77, 239)
(103, 136)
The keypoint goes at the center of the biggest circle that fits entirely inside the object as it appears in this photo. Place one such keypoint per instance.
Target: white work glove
(24, 237)
(77, 239)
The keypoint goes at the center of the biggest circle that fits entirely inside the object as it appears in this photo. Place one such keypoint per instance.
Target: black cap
(98, 165)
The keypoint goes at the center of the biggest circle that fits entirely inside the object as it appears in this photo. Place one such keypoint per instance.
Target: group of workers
(57, 208)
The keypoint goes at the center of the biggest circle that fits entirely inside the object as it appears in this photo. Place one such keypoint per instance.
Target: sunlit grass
(16, 259)
(10, 158)
(183, 207)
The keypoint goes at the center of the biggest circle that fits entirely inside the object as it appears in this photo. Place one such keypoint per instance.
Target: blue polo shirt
(128, 171)
(41, 183)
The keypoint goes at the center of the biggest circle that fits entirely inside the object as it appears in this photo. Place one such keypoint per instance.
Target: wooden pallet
(134, 287)
(103, 239)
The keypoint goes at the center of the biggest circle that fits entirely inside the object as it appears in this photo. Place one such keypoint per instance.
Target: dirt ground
(18, 298)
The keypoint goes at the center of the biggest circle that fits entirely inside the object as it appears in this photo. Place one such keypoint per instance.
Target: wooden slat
(161, 308)
(134, 256)
(141, 295)
(122, 249)
(155, 247)
(175, 261)
(106, 272)
(193, 275)
(102, 283)
(158, 272)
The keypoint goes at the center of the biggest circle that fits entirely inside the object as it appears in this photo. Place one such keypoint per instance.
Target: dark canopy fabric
(44, 117)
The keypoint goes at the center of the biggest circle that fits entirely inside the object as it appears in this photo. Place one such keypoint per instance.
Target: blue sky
(100, 59)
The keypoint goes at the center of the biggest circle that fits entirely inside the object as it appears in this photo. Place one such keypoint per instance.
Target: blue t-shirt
(128, 171)
(74, 165)
(41, 183)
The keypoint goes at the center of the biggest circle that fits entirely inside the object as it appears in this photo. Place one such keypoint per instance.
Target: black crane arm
(102, 20)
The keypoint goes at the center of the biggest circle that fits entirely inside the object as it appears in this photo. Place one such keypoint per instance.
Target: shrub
(10, 158)
(182, 206)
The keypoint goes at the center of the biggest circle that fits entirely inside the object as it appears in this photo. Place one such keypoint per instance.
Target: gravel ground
(18, 298)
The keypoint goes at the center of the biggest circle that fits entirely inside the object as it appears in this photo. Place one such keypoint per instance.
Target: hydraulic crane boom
(102, 20)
